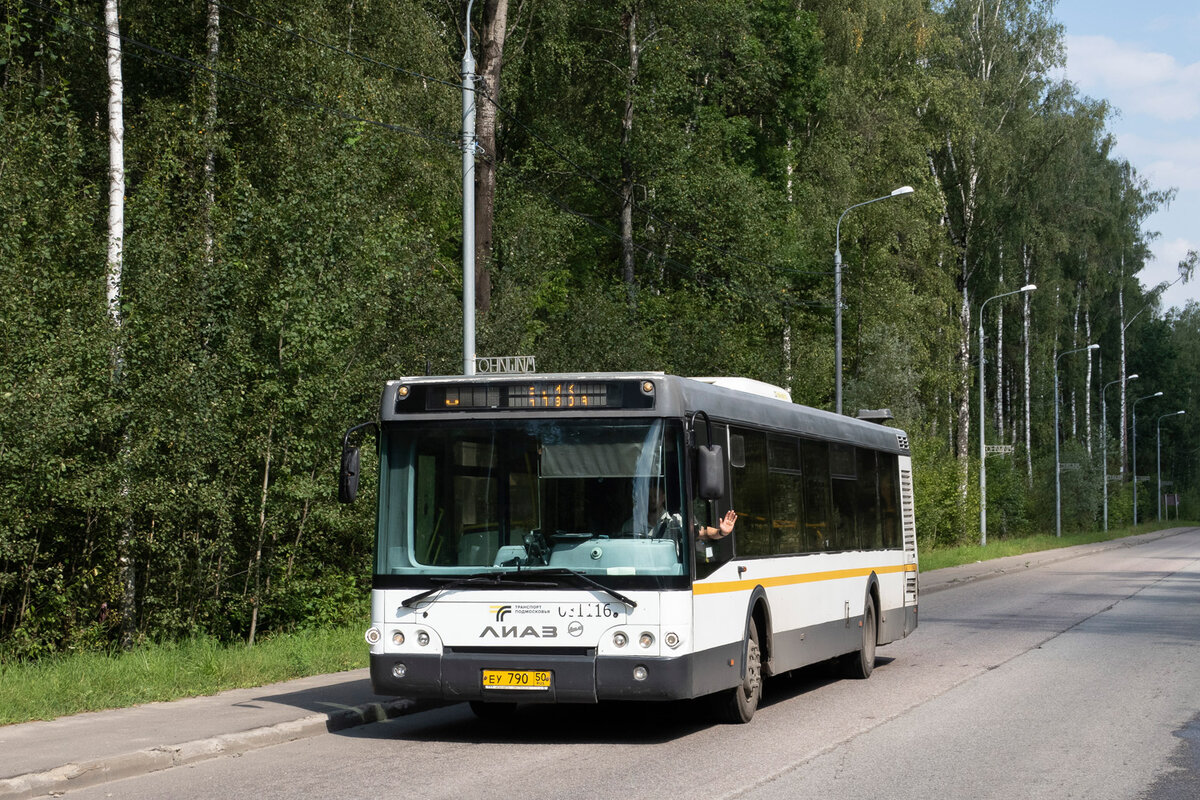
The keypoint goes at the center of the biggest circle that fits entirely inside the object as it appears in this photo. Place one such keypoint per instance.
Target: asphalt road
(1076, 679)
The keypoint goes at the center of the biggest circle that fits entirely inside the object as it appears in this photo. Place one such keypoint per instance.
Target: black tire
(862, 663)
(493, 712)
(737, 705)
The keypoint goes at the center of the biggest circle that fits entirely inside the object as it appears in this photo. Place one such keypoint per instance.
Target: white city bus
(518, 557)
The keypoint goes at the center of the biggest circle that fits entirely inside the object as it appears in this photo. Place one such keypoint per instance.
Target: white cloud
(1165, 162)
(1136, 80)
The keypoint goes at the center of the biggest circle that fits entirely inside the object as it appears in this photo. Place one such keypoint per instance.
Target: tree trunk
(116, 248)
(629, 21)
(1074, 346)
(1025, 319)
(256, 598)
(1087, 386)
(213, 40)
(1124, 412)
(495, 28)
(999, 361)
(964, 389)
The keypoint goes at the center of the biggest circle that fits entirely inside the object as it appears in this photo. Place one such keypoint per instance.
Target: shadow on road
(605, 723)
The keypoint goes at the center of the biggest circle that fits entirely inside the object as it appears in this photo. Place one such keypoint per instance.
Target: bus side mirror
(348, 483)
(710, 472)
(348, 480)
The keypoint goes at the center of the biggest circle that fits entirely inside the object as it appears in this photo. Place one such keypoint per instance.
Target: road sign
(505, 364)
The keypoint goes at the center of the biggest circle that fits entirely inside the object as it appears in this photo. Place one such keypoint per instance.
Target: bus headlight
(646, 639)
(422, 638)
(672, 640)
(399, 670)
(373, 635)
(640, 673)
(620, 639)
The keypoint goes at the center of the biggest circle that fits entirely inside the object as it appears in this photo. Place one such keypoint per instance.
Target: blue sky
(1144, 58)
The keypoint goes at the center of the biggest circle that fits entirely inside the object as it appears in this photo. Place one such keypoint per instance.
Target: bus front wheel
(737, 705)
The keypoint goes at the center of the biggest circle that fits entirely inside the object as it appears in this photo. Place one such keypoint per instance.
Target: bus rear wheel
(737, 705)
(862, 663)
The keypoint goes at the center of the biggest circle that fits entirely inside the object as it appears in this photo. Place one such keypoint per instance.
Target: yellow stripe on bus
(746, 585)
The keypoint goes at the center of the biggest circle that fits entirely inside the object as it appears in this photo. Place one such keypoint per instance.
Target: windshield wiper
(493, 578)
(583, 578)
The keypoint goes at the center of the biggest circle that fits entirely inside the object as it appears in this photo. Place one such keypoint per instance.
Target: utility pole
(468, 191)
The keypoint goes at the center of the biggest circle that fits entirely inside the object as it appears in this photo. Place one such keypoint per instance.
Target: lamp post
(1134, 407)
(468, 207)
(1158, 448)
(982, 427)
(1104, 439)
(1057, 471)
(837, 291)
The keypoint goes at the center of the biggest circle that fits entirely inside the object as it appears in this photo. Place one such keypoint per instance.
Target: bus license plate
(516, 679)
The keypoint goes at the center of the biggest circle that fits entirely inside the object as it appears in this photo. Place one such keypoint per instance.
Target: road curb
(94, 772)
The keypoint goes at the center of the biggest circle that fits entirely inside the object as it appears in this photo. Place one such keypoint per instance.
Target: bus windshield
(602, 497)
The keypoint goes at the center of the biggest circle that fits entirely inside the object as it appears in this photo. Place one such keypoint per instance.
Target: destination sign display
(527, 394)
(539, 395)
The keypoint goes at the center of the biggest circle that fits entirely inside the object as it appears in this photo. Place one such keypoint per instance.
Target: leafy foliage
(742, 130)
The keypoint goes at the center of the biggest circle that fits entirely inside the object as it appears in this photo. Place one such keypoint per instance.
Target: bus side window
(815, 458)
(787, 496)
(867, 508)
(752, 534)
(844, 476)
(889, 500)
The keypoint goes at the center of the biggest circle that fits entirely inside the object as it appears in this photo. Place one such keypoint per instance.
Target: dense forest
(224, 225)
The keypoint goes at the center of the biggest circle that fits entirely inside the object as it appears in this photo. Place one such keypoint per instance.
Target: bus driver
(660, 522)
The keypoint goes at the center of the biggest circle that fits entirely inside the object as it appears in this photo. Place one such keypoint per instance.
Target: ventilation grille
(902, 441)
(908, 513)
(909, 519)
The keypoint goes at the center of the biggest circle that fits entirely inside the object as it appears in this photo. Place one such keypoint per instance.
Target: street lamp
(468, 193)
(837, 291)
(982, 427)
(1134, 407)
(1104, 439)
(1158, 448)
(1057, 473)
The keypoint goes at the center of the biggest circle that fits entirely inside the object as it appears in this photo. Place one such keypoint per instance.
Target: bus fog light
(373, 635)
(620, 639)
(646, 639)
(399, 670)
(422, 638)
(397, 638)
(672, 640)
(639, 673)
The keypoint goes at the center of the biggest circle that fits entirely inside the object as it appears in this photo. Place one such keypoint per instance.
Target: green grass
(937, 558)
(58, 686)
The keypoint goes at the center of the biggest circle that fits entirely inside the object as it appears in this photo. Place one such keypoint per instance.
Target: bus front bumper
(575, 678)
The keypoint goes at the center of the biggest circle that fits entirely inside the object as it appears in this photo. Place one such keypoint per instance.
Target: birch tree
(116, 248)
